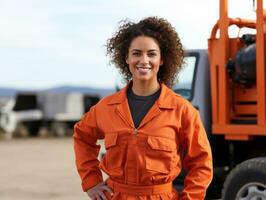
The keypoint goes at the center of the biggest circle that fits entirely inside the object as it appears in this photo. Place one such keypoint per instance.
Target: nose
(144, 59)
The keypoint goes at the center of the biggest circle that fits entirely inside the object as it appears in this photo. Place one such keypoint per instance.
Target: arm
(198, 158)
(86, 150)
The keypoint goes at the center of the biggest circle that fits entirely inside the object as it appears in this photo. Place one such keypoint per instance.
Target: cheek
(131, 67)
(132, 62)
(157, 63)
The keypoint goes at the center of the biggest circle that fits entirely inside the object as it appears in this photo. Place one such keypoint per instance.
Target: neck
(145, 88)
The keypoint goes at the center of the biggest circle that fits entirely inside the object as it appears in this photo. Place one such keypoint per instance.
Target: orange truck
(232, 103)
(227, 85)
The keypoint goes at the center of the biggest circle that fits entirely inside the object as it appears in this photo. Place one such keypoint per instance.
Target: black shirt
(140, 105)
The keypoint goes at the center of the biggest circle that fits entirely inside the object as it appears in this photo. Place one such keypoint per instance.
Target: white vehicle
(21, 115)
(32, 113)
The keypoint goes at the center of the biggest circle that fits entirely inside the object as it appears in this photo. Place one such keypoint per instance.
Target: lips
(143, 67)
(143, 70)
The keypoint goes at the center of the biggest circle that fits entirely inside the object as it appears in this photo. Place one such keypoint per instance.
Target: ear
(161, 63)
(126, 59)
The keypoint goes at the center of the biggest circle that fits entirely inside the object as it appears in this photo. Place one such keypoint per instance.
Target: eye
(136, 53)
(152, 54)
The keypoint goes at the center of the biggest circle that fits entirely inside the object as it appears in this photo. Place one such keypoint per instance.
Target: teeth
(143, 68)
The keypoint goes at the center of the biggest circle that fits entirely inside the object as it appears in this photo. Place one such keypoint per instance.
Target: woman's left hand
(97, 192)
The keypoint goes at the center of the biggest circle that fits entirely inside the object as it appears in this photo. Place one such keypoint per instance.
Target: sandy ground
(39, 169)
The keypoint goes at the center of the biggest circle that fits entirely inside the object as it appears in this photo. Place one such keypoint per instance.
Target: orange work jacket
(148, 155)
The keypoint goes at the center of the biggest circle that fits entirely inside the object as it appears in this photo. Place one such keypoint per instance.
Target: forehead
(144, 43)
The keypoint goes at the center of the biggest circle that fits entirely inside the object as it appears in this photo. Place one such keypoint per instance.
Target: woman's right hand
(97, 192)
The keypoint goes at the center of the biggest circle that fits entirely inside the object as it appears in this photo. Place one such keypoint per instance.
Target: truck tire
(21, 131)
(44, 131)
(247, 181)
(59, 129)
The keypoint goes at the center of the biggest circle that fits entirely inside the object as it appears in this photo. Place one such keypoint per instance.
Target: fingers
(106, 188)
(95, 197)
(99, 196)
(97, 192)
(102, 195)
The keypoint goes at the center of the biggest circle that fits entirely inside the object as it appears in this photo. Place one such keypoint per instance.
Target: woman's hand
(97, 192)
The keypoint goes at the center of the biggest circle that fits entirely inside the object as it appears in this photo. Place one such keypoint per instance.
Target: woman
(148, 130)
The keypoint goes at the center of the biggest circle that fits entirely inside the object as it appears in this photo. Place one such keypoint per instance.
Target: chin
(143, 79)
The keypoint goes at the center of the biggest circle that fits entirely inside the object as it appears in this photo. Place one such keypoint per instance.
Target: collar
(166, 100)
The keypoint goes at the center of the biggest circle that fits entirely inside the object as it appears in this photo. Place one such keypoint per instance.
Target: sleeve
(86, 150)
(197, 157)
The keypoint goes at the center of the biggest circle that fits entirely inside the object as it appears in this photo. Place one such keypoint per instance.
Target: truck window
(184, 86)
(26, 102)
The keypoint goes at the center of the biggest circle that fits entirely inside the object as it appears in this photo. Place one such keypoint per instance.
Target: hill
(10, 92)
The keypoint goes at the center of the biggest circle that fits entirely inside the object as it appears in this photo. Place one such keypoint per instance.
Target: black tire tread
(254, 164)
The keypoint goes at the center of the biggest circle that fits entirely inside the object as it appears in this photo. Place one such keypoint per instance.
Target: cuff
(91, 182)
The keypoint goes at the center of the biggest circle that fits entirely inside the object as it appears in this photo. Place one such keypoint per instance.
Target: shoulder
(112, 99)
(177, 100)
(184, 110)
(182, 106)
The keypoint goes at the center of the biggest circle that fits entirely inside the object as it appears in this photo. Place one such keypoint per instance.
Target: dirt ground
(39, 169)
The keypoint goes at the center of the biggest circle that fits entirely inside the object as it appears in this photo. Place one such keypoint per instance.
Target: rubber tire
(59, 129)
(249, 171)
(21, 131)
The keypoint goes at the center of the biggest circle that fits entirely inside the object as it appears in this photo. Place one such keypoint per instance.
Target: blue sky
(47, 43)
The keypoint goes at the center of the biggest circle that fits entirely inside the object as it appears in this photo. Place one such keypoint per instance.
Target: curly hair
(163, 32)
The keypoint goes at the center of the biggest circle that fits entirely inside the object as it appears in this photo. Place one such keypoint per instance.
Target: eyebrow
(141, 50)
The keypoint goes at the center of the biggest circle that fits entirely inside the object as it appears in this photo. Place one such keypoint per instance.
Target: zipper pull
(135, 131)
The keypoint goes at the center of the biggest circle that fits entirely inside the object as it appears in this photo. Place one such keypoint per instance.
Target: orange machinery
(238, 101)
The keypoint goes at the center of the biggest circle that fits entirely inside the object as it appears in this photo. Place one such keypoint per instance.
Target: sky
(49, 43)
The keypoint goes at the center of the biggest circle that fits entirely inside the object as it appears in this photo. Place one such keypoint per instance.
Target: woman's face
(144, 59)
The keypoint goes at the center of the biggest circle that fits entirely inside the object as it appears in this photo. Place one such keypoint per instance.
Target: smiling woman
(148, 130)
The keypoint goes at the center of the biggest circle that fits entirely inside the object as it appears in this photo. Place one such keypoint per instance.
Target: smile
(143, 67)
(143, 70)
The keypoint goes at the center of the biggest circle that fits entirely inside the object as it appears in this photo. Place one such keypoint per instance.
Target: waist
(140, 189)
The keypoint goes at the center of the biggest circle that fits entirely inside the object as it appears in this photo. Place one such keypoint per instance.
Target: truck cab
(193, 83)
(21, 115)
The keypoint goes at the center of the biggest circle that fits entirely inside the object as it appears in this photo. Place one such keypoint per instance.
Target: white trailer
(42, 113)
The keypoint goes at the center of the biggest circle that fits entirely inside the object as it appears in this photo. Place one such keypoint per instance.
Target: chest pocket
(160, 154)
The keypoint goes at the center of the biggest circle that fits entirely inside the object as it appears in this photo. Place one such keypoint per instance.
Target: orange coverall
(142, 162)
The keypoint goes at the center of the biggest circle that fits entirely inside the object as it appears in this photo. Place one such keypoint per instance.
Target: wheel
(21, 130)
(34, 128)
(59, 129)
(44, 131)
(247, 181)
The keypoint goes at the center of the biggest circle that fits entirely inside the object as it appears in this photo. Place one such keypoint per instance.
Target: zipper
(135, 131)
